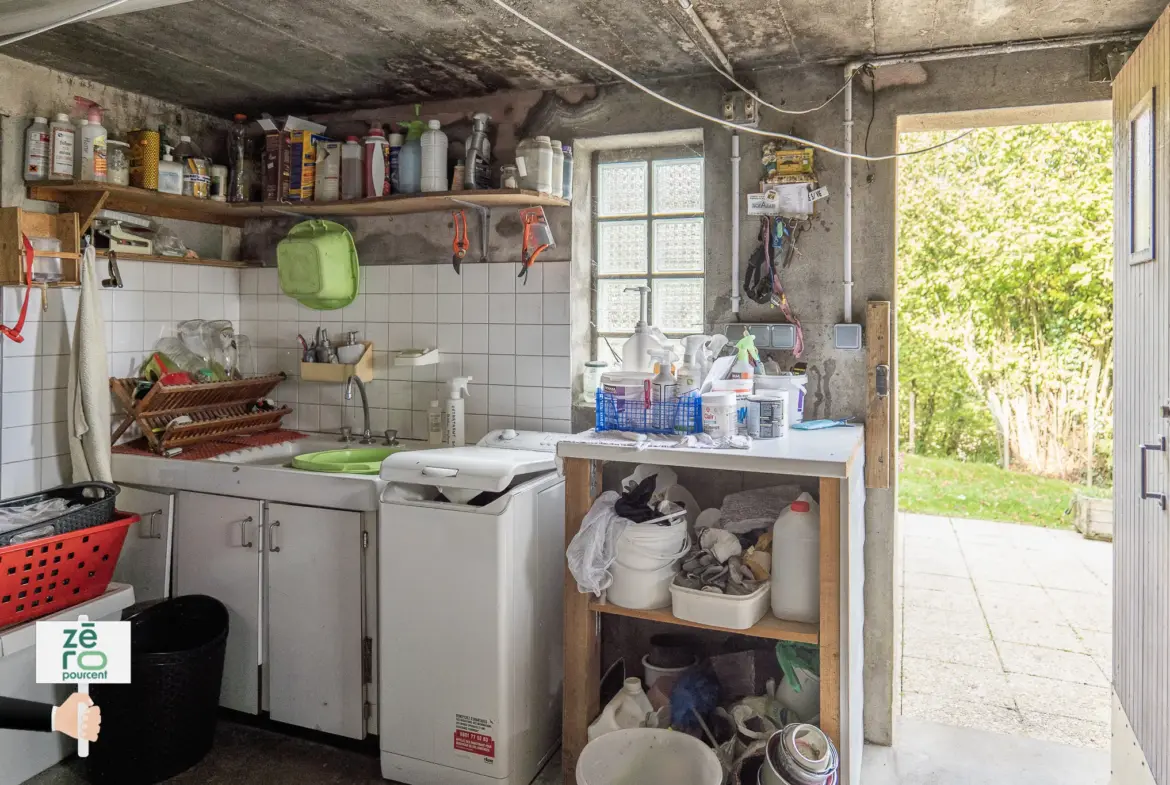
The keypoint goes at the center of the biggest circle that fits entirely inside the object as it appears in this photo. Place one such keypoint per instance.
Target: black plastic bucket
(163, 722)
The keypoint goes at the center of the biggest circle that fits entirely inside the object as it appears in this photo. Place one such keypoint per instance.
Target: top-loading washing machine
(471, 574)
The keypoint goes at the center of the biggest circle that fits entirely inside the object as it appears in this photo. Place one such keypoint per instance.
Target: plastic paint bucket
(627, 386)
(648, 756)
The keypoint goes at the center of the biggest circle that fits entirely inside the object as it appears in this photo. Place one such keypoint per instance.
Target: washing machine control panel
(511, 439)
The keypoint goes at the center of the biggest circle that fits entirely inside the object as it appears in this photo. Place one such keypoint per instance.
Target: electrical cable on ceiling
(711, 118)
(773, 107)
(69, 20)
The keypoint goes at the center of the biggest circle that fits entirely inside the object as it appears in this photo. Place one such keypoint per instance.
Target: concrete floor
(1007, 628)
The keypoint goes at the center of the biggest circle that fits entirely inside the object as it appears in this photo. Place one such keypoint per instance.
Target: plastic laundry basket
(645, 756)
(163, 722)
(318, 265)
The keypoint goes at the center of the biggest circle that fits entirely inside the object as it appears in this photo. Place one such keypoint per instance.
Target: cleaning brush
(693, 696)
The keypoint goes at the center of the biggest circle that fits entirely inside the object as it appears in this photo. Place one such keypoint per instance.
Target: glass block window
(649, 232)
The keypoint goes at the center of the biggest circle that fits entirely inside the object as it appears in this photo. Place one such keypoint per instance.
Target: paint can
(768, 415)
(145, 153)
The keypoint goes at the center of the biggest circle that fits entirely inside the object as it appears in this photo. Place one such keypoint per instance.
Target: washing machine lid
(475, 468)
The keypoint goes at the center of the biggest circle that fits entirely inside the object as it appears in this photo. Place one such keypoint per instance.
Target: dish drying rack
(217, 410)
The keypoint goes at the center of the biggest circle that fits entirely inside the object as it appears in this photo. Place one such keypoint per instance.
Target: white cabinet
(218, 553)
(145, 562)
(314, 592)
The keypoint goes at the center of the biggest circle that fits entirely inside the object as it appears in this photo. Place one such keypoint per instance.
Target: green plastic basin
(367, 460)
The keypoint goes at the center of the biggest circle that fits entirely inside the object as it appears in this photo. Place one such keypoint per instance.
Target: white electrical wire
(70, 20)
(723, 72)
(711, 118)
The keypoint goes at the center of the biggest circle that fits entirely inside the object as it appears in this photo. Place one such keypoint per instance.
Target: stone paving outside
(1007, 628)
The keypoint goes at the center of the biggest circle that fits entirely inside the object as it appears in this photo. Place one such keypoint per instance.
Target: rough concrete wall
(814, 281)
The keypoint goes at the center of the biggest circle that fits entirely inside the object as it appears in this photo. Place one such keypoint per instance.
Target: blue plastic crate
(684, 415)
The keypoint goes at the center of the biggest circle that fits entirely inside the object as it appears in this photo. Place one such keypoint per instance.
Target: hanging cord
(747, 129)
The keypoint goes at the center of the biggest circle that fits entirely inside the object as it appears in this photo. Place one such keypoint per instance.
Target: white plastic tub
(641, 590)
(648, 756)
(720, 610)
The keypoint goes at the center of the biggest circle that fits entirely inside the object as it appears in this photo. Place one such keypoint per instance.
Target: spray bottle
(746, 352)
(93, 147)
(410, 156)
(636, 352)
(691, 373)
(456, 435)
(663, 387)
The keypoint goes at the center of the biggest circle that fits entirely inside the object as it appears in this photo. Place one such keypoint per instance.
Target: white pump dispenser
(456, 436)
(692, 371)
(663, 386)
(646, 339)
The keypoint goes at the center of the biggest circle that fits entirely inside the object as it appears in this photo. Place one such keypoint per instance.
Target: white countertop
(832, 452)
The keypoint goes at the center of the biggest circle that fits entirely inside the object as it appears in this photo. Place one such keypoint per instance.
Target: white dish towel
(89, 387)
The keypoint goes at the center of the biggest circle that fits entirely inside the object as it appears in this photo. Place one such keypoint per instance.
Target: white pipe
(848, 200)
(689, 7)
(958, 52)
(63, 22)
(735, 223)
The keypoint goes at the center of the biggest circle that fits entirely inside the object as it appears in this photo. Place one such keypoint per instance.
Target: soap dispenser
(456, 436)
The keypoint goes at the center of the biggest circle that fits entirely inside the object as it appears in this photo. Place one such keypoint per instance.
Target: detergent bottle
(646, 339)
(746, 353)
(630, 708)
(690, 373)
(456, 434)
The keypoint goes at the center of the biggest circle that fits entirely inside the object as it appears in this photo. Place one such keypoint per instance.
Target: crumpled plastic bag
(594, 548)
(755, 509)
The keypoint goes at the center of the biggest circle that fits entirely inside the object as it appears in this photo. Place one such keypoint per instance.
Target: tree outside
(1005, 301)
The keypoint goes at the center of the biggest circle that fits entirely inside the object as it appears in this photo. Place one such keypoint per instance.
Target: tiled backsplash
(156, 296)
(513, 339)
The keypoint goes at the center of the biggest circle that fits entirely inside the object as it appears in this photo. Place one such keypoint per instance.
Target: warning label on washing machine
(472, 734)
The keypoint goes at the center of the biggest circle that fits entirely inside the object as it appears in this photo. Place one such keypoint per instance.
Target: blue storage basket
(681, 416)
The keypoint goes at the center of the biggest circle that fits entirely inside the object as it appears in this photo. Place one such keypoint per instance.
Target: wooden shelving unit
(137, 257)
(15, 222)
(768, 627)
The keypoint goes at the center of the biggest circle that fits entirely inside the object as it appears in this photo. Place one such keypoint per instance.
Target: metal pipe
(708, 39)
(959, 52)
(847, 228)
(69, 20)
(735, 223)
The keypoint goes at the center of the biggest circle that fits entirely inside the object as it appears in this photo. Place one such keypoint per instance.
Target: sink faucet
(367, 437)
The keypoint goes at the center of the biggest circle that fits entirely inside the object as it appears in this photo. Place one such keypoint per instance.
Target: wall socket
(741, 109)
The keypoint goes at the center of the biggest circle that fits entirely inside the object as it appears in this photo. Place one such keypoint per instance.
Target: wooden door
(314, 653)
(145, 562)
(1141, 574)
(217, 553)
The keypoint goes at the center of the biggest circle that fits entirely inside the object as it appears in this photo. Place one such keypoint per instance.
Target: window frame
(649, 156)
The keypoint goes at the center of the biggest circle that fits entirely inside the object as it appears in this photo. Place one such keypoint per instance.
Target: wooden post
(878, 441)
(582, 649)
(830, 626)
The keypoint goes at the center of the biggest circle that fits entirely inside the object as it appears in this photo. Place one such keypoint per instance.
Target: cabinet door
(314, 653)
(145, 562)
(217, 553)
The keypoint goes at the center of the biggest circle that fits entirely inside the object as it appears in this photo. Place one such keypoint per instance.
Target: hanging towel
(89, 388)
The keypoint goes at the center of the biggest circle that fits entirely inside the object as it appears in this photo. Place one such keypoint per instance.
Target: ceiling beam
(19, 16)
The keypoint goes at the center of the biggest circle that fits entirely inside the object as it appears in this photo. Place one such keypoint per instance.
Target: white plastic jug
(796, 571)
(434, 159)
(628, 709)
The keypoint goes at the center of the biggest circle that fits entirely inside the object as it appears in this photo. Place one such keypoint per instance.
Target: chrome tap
(367, 437)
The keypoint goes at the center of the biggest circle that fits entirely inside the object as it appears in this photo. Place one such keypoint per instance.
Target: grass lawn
(940, 486)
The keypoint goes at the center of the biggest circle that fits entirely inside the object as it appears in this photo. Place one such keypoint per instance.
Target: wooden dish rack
(217, 410)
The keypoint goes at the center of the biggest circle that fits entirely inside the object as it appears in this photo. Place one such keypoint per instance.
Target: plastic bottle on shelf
(558, 168)
(630, 708)
(238, 156)
(690, 373)
(796, 561)
(434, 159)
(663, 387)
(376, 167)
(534, 159)
(36, 150)
(93, 148)
(196, 170)
(351, 168)
(62, 140)
(636, 351)
(410, 158)
(396, 141)
(435, 423)
(455, 434)
(78, 146)
(170, 174)
(567, 177)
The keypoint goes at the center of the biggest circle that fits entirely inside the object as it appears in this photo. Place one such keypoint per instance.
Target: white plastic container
(796, 571)
(558, 167)
(642, 590)
(376, 164)
(806, 704)
(534, 160)
(435, 424)
(36, 150)
(327, 184)
(628, 709)
(453, 412)
(352, 155)
(719, 410)
(62, 144)
(654, 674)
(93, 148)
(648, 546)
(797, 386)
(170, 175)
(768, 415)
(627, 386)
(719, 610)
(434, 159)
(648, 756)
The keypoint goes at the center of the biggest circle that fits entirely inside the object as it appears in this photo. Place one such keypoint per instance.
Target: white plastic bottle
(434, 159)
(36, 150)
(93, 148)
(690, 373)
(636, 351)
(170, 174)
(376, 166)
(456, 436)
(62, 139)
(630, 708)
(558, 168)
(351, 169)
(663, 387)
(435, 423)
(796, 573)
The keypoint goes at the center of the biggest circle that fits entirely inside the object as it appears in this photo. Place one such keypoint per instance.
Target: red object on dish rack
(55, 573)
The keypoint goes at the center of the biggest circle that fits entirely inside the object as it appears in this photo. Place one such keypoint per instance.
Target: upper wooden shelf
(80, 198)
(768, 627)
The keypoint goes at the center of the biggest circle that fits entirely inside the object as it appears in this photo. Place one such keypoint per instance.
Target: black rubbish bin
(163, 722)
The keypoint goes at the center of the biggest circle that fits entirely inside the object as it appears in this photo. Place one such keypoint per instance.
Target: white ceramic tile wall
(513, 339)
(156, 296)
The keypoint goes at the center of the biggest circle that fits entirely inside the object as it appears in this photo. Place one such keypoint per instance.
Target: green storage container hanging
(318, 265)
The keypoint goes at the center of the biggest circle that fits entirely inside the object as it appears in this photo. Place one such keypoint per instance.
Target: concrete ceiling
(225, 56)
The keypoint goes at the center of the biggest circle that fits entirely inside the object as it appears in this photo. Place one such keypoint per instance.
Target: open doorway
(1005, 352)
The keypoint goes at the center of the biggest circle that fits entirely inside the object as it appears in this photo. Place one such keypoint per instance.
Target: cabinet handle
(1159, 446)
(272, 546)
(244, 541)
(152, 532)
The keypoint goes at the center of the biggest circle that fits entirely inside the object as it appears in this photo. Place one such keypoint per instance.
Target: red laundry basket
(49, 575)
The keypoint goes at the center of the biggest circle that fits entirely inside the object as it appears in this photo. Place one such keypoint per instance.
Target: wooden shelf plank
(137, 257)
(158, 205)
(768, 627)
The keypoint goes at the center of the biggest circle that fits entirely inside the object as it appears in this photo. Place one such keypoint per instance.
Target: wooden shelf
(86, 198)
(768, 627)
(137, 257)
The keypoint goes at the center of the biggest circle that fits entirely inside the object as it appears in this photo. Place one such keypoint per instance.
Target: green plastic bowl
(367, 460)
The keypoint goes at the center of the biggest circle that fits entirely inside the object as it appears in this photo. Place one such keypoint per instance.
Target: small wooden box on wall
(60, 230)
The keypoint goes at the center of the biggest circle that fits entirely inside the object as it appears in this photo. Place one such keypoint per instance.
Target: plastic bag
(755, 509)
(594, 548)
(797, 655)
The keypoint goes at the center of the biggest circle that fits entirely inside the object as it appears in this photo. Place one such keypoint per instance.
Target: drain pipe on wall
(848, 335)
(735, 223)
